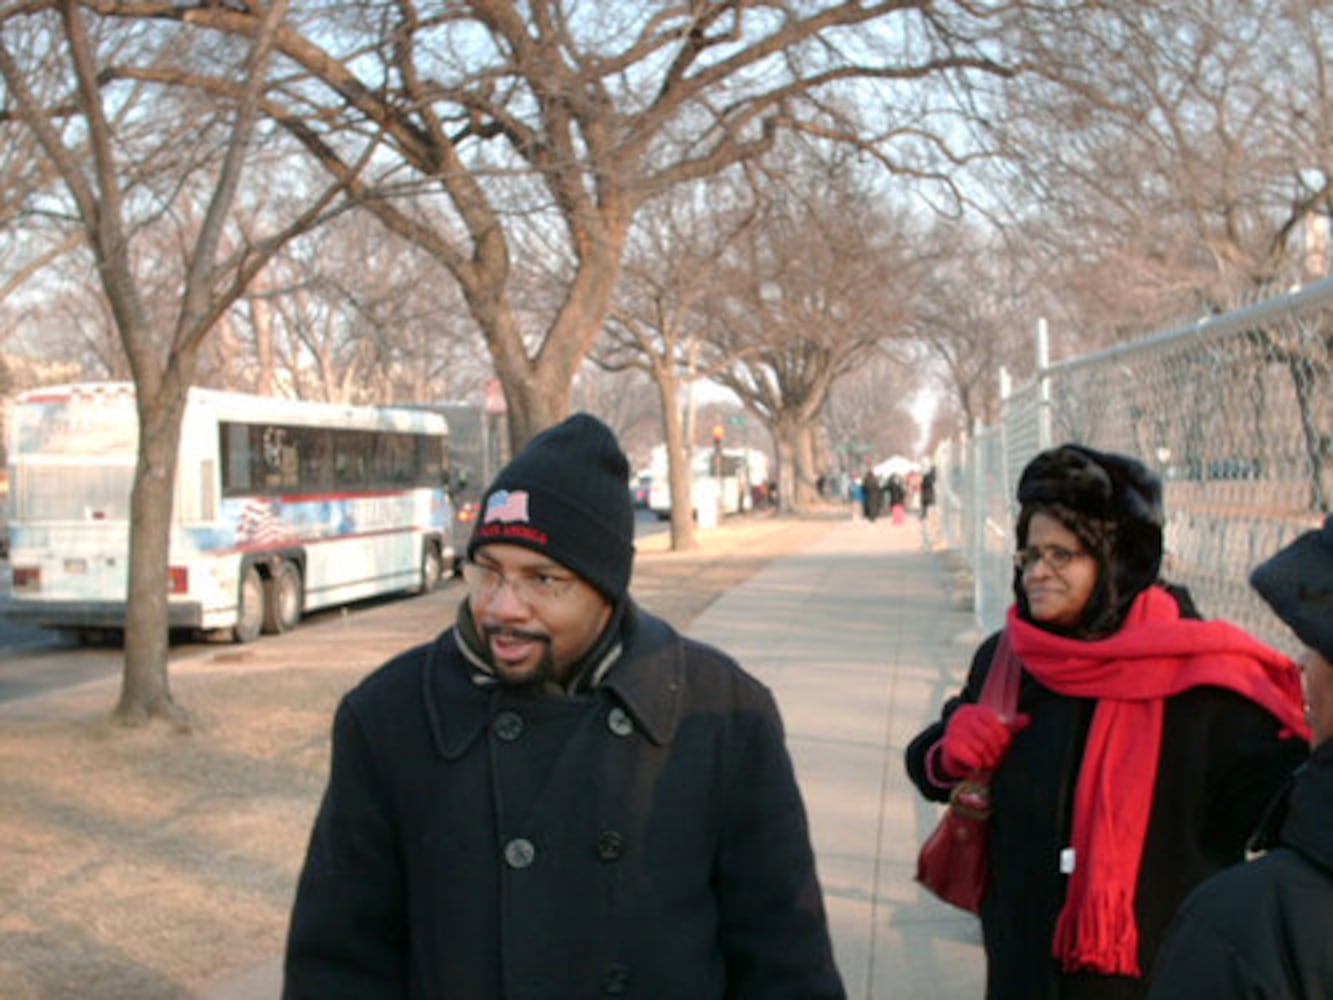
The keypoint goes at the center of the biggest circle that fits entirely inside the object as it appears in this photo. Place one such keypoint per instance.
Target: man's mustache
(509, 632)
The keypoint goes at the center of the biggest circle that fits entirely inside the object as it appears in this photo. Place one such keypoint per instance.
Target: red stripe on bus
(289, 543)
(325, 497)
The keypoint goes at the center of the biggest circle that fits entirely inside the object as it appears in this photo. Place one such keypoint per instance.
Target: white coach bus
(281, 507)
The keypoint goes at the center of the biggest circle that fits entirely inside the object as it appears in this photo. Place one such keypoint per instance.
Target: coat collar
(648, 680)
(1308, 823)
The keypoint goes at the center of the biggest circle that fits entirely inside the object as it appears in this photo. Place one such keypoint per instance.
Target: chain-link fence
(1234, 412)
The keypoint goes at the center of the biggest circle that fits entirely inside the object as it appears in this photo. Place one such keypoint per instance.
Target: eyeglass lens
(1056, 556)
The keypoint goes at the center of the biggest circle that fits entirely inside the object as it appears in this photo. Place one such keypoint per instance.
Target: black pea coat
(1221, 762)
(644, 840)
(1264, 929)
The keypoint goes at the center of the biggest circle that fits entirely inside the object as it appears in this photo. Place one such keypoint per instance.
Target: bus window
(311, 447)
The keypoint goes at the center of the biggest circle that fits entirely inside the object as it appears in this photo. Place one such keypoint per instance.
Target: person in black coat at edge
(1265, 929)
(560, 796)
(1144, 749)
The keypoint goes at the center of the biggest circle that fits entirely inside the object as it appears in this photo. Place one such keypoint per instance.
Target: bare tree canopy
(515, 141)
(660, 317)
(1171, 157)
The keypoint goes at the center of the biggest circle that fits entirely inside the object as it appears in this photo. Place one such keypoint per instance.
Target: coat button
(615, 980)
(519, 853)
(508, 726)
(610, 845)
(619, 722)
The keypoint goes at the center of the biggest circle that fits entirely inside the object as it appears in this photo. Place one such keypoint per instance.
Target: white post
(978, 519)
(1043, 386)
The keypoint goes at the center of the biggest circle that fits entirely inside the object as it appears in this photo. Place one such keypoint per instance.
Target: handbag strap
(1000, 689)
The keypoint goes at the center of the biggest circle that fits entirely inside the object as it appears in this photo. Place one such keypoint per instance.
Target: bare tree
(354, 314)
(127, 170)
(968, 336)
(511, 125)
(868, 414)
(658, 322)
(29, 240)
(823, 278)
(627, 402)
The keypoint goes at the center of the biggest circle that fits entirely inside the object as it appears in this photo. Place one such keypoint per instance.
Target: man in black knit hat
(560, 797)
(1262, 929)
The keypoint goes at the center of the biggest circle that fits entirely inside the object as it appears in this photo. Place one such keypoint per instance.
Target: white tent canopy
(896, 464)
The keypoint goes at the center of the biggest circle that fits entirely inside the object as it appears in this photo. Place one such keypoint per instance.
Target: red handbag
(954, 862)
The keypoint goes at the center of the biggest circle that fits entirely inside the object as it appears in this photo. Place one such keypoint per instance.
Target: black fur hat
(1297, 583)
(1114, 504)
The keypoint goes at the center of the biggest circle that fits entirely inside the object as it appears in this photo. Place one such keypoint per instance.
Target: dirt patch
(150, 864)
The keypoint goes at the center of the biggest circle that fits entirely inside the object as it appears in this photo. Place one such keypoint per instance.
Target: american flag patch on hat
(506, 505)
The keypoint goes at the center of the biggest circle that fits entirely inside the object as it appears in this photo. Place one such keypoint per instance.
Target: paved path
(859, 639)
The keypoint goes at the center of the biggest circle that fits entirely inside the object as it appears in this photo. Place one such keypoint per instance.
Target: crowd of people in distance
(896, 492)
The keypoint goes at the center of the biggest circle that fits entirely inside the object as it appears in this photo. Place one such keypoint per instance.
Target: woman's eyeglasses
(1057, 557)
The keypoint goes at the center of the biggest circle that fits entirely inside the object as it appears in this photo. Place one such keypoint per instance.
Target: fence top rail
(1313, 296)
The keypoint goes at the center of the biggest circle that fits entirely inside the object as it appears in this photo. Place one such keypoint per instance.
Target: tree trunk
(785, 446)
(679, 468)
(536, 399)
(538, 385)
(145, 693)
(806, 494)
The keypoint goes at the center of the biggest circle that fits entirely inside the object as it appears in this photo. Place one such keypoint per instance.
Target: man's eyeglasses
(1057, 557)
(538, 589)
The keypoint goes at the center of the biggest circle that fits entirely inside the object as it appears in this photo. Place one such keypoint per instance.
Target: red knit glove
(977, 738)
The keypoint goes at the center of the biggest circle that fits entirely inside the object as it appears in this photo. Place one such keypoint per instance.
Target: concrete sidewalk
(859, 640)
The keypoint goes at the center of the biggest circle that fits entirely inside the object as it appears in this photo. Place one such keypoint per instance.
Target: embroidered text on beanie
(1297, 583)
(566, 495)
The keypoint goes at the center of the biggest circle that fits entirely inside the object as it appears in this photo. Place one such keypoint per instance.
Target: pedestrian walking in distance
(561, 796)
(1144, 748)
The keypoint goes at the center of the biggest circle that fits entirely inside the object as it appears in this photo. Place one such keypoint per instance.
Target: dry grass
(149, 864)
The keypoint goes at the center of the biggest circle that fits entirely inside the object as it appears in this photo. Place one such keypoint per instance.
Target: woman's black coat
(644, 840)
(1221, 762)
(1264, 929)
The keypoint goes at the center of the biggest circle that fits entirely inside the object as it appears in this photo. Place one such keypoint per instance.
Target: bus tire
(432, 568)
(283, 598)
(249, 607)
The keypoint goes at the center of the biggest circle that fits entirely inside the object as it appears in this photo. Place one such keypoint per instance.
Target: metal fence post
(1044, 385)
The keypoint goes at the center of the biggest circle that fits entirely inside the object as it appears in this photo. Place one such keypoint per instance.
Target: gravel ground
(149, 864)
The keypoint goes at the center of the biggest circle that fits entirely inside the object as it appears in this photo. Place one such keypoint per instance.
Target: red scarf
(1155, 655)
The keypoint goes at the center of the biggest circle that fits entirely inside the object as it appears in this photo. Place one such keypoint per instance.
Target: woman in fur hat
(1143, 748)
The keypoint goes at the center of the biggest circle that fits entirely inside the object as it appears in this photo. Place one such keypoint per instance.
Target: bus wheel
(250, 612)
(432, 568)
(283, 598)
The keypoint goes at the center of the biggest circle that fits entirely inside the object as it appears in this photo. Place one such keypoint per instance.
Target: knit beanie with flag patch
(566, 495)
